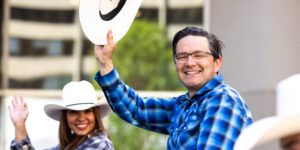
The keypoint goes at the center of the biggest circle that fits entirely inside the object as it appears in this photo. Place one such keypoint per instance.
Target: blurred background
(43, 48)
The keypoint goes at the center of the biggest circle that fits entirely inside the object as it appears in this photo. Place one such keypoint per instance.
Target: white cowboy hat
(97, 17)
(76, 96)
(285, 123)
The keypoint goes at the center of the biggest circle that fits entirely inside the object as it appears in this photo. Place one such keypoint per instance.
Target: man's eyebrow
(203, 51)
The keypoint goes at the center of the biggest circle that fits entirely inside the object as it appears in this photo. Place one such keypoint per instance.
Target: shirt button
(184, 128)
(176, 129)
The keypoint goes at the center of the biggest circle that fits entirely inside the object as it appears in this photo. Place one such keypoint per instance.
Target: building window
(14, 45)
(55, 82)
(27, 47)
(54, 16)
(149, 14)
(185, 16)
(49, 82)
(88, 48)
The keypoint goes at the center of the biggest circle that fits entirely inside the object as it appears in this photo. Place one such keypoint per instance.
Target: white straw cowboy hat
(285, 123)
(76, 96)
(97, 17)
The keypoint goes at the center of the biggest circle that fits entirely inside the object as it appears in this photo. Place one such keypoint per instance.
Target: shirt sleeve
(25, 144)
(53, 148)
(222, 123)
(148, 113)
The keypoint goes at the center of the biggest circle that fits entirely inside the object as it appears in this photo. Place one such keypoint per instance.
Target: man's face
(195, 65)
(291, 142)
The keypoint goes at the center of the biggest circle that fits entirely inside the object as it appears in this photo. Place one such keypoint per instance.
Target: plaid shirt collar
(210, 85)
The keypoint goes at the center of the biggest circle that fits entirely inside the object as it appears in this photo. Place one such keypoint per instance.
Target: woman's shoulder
(98, 141)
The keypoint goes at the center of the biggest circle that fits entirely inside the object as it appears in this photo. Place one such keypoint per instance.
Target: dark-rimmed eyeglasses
(197, 56)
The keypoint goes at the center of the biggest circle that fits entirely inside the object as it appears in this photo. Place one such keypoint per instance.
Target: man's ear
(218, 64)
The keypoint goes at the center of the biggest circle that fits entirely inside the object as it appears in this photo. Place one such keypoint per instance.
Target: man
(209, 116)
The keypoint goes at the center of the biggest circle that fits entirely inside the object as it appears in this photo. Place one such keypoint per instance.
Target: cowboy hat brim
(54, 110)
(96, 29)
(266, 130)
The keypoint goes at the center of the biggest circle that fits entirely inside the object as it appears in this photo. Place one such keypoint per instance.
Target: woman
(80, 125)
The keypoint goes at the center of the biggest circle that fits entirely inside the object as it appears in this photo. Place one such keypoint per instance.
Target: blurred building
(174, 14)
(261, 48)
(43, 48)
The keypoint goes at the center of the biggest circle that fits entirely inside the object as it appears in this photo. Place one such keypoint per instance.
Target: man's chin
(192, 85)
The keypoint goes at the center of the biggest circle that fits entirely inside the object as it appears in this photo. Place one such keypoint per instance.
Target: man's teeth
(191, 72)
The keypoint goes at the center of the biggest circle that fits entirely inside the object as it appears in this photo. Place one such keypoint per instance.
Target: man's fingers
(110, 38)
(98, 47)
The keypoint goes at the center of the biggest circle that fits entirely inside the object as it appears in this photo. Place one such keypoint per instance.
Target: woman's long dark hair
(67, 140)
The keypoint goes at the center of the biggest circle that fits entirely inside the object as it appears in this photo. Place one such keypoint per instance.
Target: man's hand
(104, 55)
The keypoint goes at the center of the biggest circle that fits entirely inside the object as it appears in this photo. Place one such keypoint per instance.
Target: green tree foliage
(144, 58)
(128, 137)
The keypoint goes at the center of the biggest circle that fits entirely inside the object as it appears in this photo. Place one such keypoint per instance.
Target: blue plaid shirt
(99, 142)
(212, 119)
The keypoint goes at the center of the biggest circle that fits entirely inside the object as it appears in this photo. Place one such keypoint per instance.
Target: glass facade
(185, 15)
(32, 48)
(52, 16)
(149, 14)
(28, 47)
(48, 82)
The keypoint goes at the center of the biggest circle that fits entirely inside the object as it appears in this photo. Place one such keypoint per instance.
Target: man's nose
(190, 59)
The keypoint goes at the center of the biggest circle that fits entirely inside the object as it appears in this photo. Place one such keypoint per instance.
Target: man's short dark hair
(215, 44)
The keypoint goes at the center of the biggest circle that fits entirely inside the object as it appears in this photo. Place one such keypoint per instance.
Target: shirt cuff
(25, 144)
(107, 80)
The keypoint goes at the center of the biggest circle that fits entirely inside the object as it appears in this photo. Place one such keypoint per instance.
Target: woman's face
(81, 122)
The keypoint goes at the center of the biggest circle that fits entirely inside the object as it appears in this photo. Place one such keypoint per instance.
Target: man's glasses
(197, 56)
